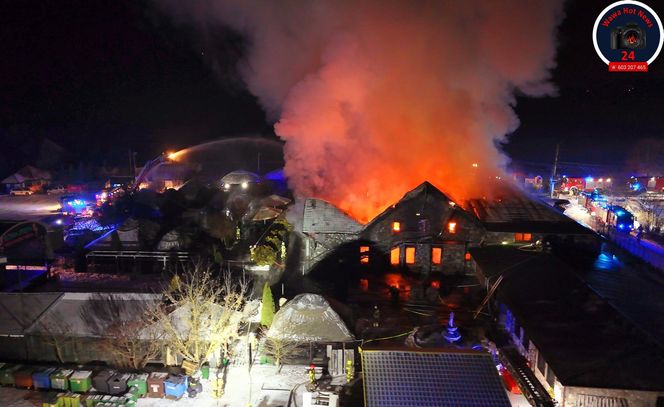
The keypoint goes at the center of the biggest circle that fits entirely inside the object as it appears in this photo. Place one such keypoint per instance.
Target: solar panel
(417, 379)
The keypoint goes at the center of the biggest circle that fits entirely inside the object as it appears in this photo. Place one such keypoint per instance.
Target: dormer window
(451, 227)
(396, 227)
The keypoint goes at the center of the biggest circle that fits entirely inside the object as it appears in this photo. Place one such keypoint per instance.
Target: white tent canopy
(309, 318)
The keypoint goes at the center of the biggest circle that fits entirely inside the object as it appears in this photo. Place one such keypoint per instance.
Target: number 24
(627, 55)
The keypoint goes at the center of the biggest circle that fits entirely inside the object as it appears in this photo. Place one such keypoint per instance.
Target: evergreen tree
(267, 312)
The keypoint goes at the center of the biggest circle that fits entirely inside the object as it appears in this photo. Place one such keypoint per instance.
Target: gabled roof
(425, 191)
(414, 378)
(27, 173)
(322, 217)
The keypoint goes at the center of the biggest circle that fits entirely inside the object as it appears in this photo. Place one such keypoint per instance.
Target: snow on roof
(309, 318)
(19, 311)
(90, 314)
(323, 217)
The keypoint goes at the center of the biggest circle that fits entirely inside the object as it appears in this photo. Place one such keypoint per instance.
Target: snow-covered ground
(264, 387)
(579, 214)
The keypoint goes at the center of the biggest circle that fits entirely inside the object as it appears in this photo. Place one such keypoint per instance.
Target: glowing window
(410, 255)
(396, 226)
(523, 237)
(467, 256)
(436, 255)
(364, 254)
(451, 227)
(395, 256)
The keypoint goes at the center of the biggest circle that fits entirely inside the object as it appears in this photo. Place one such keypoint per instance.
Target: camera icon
(631, 36)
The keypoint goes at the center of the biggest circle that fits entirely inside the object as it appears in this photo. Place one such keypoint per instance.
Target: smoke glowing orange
(374, 97)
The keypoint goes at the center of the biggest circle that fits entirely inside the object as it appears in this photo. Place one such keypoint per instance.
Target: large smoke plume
(374, 97)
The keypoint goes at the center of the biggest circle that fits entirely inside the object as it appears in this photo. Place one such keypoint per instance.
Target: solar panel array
(419, 379)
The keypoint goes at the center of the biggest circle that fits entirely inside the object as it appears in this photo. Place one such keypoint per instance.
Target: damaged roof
(515, 211)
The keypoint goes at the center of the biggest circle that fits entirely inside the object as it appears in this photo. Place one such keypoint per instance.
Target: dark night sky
(101, 77)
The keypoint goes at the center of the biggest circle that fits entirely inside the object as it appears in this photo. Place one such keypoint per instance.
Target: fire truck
(649, 184)
(612, 215)
(576, 185)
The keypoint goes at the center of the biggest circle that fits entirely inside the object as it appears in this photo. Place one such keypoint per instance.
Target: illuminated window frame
(395, 256)
(523, 237)
(364, 254)
(451, 227)
(411, 255)
(396, 227)
(436, 256)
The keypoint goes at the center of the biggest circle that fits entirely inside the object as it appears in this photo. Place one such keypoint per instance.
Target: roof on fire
(516, 212)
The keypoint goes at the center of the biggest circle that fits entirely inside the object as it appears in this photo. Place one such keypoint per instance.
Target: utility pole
(552, 181)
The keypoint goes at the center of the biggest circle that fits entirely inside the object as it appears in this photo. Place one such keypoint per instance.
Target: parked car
(20, 191)
(56, 190)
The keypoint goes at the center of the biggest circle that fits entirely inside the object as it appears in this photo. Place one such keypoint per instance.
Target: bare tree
(278, 348)
(59, 337)
(123, 326)
(203, 313)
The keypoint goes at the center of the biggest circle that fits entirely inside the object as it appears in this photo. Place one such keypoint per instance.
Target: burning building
(424, 232)
(427, 232)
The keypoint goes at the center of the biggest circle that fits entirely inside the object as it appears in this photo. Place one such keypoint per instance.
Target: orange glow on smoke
(372, 98)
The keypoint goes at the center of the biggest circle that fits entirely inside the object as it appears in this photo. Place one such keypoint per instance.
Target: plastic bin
(205, 371)
(100, 380)
(175, 386)
(41, 379)
(156, 384)
(60, 379)
(81, 381)
(140, 381)
(23, 377)
(7, 374)
(118, 383)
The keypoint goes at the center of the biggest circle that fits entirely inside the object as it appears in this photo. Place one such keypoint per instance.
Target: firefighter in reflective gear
(312, 374)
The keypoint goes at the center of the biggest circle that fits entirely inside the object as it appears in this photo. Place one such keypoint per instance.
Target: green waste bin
(7, 374)
(80, 381)
(60, 379)
(140, 381)
(205, 371)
